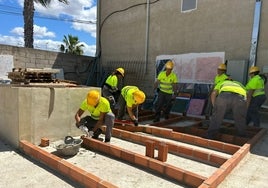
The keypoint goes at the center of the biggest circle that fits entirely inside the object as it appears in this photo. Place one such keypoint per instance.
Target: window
(188, 5)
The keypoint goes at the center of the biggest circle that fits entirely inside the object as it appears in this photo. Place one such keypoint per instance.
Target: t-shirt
(256, 83)
(103, 106)
(166, 82)
(127, 93)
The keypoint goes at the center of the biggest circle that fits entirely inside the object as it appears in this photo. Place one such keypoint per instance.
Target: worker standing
(228, 95)
(167, 85)
(100, 114)
(131, 97)
(220, 77)
(113, 85)
(256, 95)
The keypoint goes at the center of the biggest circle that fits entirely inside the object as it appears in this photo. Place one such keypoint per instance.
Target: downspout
(255, 34)
(147, 35)
(98, 29)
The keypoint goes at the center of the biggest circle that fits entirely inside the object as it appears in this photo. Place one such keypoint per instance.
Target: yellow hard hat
(222, 66)
(254, 69)
(169, 65)
(93, 97)
(139, 96)
(121, 71)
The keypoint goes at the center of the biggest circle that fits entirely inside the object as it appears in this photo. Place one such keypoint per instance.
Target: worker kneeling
(228, 95)
(100, 114)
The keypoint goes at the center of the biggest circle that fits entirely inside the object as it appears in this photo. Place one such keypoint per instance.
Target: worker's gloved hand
(136, 123)
(90, 133)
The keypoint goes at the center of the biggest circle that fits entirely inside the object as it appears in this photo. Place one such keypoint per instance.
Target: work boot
(97, 133)
(107, 140)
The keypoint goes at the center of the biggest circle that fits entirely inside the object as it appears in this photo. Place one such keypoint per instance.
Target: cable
(43, 17)
(118, 11)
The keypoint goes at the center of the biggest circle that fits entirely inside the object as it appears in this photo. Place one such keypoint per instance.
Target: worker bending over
(100, 114)
(131, 97)
(167, 84)
(220, 77)
(113, 85)
(228, 95)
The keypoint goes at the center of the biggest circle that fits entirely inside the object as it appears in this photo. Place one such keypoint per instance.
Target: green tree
(72, 45)
(28, 15)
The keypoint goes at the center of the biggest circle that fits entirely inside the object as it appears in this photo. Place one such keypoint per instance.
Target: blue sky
(49, 24)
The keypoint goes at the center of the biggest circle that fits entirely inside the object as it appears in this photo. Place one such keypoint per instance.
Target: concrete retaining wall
(31, 113)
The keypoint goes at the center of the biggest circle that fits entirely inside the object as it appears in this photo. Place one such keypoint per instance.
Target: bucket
(70, 147)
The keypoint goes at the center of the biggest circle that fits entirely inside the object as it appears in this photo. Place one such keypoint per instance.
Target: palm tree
(28, 14)
(72, 45)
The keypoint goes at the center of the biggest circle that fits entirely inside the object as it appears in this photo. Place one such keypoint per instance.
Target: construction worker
(221, 74)
(113, 85)
(166, 85)
(256, 95)
(220, 77)
(100, 114)
(228, 95)
(131, 97)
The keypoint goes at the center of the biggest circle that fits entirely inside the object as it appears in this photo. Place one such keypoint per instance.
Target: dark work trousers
(122, 107)
(227, 101)
(106, 92)
(164, 102)
(108, 121)
(253, 110)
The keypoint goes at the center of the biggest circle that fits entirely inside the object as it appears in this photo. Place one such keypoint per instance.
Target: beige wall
(215, 26)
(31, 113)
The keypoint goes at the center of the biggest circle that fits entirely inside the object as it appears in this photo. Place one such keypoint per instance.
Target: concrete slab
(250, 172)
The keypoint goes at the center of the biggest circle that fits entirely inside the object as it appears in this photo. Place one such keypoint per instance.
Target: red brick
(105, 148)
(216, 159)
(150, 145)
(162, 152)
(192, 179)
(77, 174)
(64, 167)
(115, 151)
(185, 151)
(105, 184)
(229, 148)
(201, 155)
(158, 166)
(141, 160)
(174, 172)
(44, 142)
(128, 156)
(201, 142)
(90, 180)
(216, 145)
(216, 178)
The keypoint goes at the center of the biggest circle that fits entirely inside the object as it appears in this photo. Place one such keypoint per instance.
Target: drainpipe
(98, 29)
(147, 35)
(255, 34)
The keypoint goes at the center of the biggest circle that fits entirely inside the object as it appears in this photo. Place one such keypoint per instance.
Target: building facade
(133, 33)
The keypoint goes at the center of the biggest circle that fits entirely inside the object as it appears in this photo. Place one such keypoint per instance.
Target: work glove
(135, 122)
(90, 133)
(84, 129)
